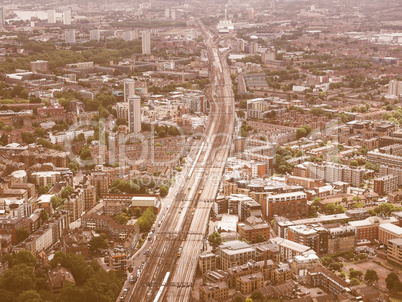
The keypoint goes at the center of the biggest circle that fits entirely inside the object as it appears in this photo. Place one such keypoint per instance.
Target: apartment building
(252, 229)
(290, 205)
(249, 283)
(74, 204)
(101, 182)
(389, 170)
(302, 263)
(322, 277)
(304, 235)
(388, 231)
(233, 253)
(288, 249)
(281, 273)
(118, 259)
(341, 239)
(386, 184)
(217, 291)
(106, 223)
(74, 242)
(207, 262)
(332, 172)
(394, 251)
(367, 229)
(384, 159)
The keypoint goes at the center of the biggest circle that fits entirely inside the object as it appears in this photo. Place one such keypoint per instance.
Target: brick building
(290, 205)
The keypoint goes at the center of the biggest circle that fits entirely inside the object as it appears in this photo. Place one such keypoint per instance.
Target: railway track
(167, 277)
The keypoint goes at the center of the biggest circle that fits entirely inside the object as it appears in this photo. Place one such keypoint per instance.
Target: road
(166, 276)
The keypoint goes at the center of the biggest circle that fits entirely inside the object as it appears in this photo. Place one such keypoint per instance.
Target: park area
(382, 272)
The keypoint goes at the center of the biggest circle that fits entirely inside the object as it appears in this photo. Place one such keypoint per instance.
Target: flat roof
(391, 228)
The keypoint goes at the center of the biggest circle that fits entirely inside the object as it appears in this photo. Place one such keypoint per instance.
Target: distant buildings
(395, 88)
(2, 17)
(67, 17)
(51, 16)
(69, 36)
(134, 113)
(40, 66)
(146, 42)
(129, 89)
(94, 35)
(386, 184)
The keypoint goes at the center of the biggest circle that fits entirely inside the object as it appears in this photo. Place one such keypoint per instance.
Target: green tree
(215, 239)
(56, 202)
(44, 216)
(393, 283)
(75, 263)
(66, 192)
(330, 208)
(301, 132)
(163, 191)
(23, 257)
(355, 274)
(137, 212)
(371, 276)
(27, 137)
(4, 139)
(22, 234)
(121, 121)
(29, 296)
(19, 278)
(241, 114)
(354, 282)
(353, 163)
(97, 243)
(121, 219)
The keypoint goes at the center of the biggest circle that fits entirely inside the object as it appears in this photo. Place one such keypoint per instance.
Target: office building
(94, 34)
(67, 17)
(134, 113)
(388, 231)
(394, 251)
(40, 66)
(129, 89)
(2, 16)
(386, 184)
(69, 36)
(146, 42)
(51, 16)
(395, 88)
